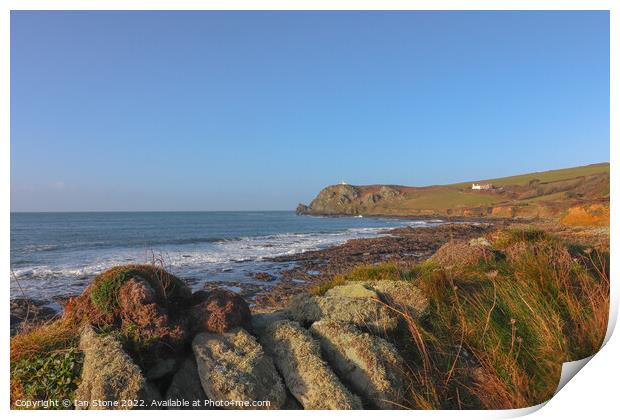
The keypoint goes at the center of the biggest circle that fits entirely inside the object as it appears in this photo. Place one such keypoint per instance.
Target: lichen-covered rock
(220, 311)
(109, 374)
(400, 294)
(366, 313)
(352, 290)
(369, 364)
(233, 366)
(307, 376)
(186, 385)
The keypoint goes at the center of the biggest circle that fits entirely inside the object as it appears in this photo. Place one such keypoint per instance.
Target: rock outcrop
(109, 375)
(233, 367)
(370, 365)
(366, 313)
(400, 294)
(307, 376)
(538, 195)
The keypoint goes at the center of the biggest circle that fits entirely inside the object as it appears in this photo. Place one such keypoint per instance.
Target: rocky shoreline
(378, 324)
(404, 246)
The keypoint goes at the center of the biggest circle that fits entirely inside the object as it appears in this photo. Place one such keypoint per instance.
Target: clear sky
(260, 110)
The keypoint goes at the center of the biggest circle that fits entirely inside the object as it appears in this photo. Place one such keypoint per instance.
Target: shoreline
(405, 245)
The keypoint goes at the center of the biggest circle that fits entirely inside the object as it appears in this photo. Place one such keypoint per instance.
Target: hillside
(557, 193)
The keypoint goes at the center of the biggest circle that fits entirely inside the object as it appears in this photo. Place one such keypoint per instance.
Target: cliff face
(538, 195)
(344, 199)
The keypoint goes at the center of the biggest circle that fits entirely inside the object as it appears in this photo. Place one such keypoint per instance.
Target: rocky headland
(573, 195)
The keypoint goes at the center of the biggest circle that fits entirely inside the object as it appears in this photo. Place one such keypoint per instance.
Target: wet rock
(233, 366)
(309, 379)
(365, 313)
(29, 310)
(220, 311)
(369, 364)
(262, 276)
(186, 385)
(109, 374)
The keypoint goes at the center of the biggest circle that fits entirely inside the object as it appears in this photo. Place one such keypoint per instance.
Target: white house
(482, 186)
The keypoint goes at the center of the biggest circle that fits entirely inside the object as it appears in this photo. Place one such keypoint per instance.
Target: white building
(482, 186)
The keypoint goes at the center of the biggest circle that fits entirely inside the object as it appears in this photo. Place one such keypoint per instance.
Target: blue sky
(260, 110)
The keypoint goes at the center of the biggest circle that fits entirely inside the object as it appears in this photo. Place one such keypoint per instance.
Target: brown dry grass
(499, 329)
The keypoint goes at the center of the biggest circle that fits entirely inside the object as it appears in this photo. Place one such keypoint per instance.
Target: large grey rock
(307, 376)
(369, 364)
(109, 374)
(233, 366)
(186, 385)
(366, 313)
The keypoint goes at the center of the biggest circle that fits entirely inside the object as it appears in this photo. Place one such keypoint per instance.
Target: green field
(546, 176)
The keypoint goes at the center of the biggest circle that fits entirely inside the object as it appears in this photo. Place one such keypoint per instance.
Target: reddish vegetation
(137, 302)
(155, 312)
(220, 311)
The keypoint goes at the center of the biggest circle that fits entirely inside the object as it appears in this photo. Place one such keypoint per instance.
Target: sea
(57, 254)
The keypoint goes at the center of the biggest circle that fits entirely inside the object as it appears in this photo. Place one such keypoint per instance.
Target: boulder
(233, 366)
(369, 364)
(365, 313)
(186, 385)
(309, 379)
(261, 321)
(163, 367)
(352, 289)
(109, 374)
(220, 311)
(401, 294)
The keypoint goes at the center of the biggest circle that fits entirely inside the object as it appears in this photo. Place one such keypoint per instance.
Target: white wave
(199, 261)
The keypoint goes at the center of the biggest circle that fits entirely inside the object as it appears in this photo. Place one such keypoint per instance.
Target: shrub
(46, 363)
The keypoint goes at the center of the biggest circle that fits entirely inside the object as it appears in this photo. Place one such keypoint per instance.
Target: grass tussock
(498, 331)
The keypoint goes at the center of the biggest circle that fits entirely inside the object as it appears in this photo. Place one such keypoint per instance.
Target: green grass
(545, 176)
(499, 329)
(105, 293)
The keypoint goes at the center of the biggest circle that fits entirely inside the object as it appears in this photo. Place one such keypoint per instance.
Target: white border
(592, 395)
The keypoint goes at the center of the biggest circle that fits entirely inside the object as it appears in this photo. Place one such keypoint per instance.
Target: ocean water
(55, 254)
